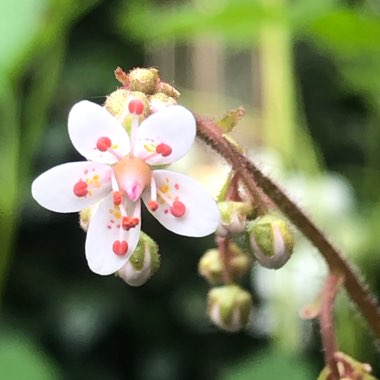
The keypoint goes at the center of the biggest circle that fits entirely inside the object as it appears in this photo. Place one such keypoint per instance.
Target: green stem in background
(9, 171)
(253, 177)
(17, 148)
(281, 127)
(42, 88)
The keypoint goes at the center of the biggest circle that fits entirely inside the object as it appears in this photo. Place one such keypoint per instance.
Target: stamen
(153, 205)
(80, 189)
(178, 209)
(129, 222)
(117, 198)
(136, 107)
(120, 248)
(164, 149)
(103, 144)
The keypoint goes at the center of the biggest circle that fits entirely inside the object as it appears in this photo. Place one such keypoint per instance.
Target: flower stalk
(329, 292)
(256, 182)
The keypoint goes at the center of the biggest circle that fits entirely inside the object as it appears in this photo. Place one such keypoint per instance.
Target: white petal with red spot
(96, 134)
(165, 136)
(185, 207)
(108, 245)
(73, 186)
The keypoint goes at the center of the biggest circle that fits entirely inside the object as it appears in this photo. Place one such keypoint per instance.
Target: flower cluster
(124, 166)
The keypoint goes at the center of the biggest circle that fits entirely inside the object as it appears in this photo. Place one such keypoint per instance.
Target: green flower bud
(348, 368)
(233, 217)
(211, 265)
(229, 307)
(159, 101)
(85, 216)
(143, 263)
(271, 240)
(143, 80)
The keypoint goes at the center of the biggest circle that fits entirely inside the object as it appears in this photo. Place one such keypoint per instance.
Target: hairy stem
(329, 292)
(254, 180)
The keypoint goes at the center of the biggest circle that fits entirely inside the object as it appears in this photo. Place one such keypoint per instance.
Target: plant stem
(329, 292)
(253, 179)
(224, 253)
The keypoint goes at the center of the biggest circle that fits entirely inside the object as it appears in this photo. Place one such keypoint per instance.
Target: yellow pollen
(164, 188)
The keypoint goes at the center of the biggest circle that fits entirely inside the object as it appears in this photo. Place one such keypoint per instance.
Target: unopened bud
(143, 263)
(233, 218)
(271, 240)
(211, 264)
(159, 101)
(85, 216)
(143, 80)
(229, 307)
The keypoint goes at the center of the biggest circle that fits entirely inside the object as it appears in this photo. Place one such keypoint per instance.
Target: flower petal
(72, 186)
(90, 125)
(104, 231)
(197, 212)
(172, 127)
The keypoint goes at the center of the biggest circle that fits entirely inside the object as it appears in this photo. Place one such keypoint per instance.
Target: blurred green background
(308, 74)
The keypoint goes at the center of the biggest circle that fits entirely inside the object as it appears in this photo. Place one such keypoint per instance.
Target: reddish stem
(256, 182)
(329, 292)
(224, 253)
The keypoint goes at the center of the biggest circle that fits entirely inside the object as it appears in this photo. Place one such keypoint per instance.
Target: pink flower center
(132, 175)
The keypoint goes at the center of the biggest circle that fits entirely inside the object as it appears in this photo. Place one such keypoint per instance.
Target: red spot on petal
(117, 198)
(120, 248)
(178, 209)
(136, 106)
(176, 186)
(164, 149)
(103, 144)
(109, 227)
(166, 211)
(153, 205)
(80, 189)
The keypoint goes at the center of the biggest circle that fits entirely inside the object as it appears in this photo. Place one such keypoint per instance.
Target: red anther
(103, 144)
(136, 106)
(164, 150)
(178, 209)
(129, 222)
(117, 198)
(80, 189)
(153, 205)
(120, 248)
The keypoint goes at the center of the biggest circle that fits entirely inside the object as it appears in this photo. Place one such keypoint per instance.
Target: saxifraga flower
(119, 172)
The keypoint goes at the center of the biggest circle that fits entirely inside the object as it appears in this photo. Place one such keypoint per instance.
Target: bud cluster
(242, 239)
(145, 85)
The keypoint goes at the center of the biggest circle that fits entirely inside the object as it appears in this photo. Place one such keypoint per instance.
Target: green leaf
(231, 119)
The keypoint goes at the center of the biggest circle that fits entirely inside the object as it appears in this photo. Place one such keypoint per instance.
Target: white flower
(119, 174)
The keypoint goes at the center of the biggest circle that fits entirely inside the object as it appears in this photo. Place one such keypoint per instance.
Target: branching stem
(255, 182)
